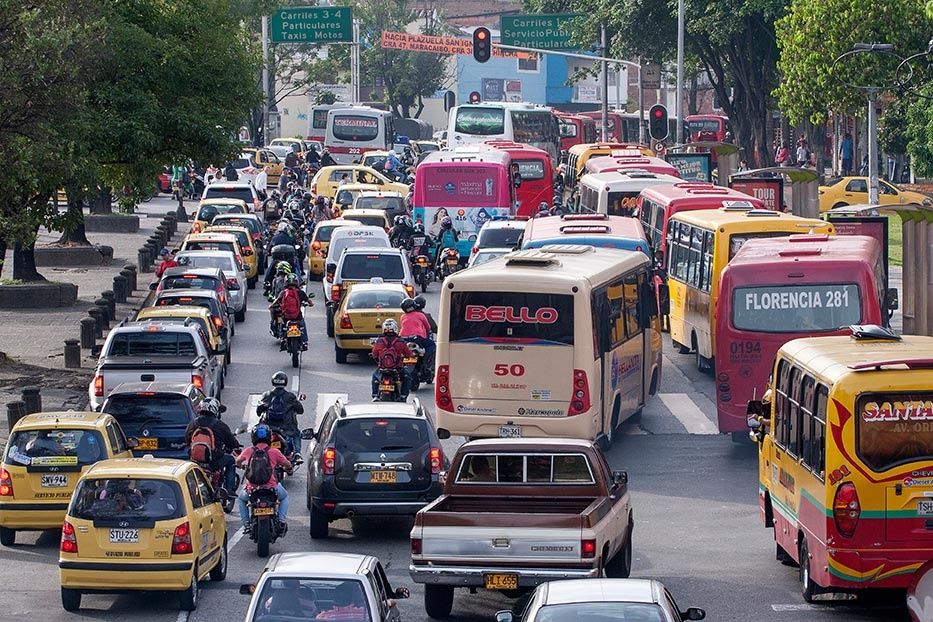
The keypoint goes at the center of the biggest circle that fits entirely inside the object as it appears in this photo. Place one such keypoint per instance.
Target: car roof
(213, 253)
(603, 590)
(221, 201)
(355, 187)
(182, 388)
(229, 185)
(395, 194)
(316, 563)
(504, 224)
(230, 215)
(344, 232)
(364, 212)
(210, 235)
(176, 311)
(381, 409)
(382, 250)
(522, 443)
(339, 222)
(71, 418)
(363, 286)
(138, 468)
(155, 327)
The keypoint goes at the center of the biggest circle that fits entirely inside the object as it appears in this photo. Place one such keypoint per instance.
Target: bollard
(14, 412)
(105, 307)
(109, 296)
(132, 285)
(172, 221)
(155, 245)
(72, 354)
(162, 233)
(32, 400)
(119, 288)
(98, 314)
(142, 256)
(88, 332)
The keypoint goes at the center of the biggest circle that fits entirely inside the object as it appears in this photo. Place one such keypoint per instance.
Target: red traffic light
(482, 45)
(658, 113)
(474, 97)
(481, 35)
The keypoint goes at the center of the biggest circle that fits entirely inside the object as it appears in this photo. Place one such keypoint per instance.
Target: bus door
(626, 355)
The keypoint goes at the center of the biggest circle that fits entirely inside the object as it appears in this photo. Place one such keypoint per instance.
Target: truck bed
(469, 511)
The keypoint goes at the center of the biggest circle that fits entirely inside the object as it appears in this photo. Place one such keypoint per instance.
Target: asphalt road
(694, 497)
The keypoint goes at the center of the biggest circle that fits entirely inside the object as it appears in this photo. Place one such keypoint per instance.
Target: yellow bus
(558, 341)
(846, 460)
(699, 245)
(579, 155)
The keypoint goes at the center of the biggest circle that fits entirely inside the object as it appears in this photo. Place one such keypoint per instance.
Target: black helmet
(308, 196)
(320, 200)
(409, 305)
(279, 379)
(421, 302)
(543, 206)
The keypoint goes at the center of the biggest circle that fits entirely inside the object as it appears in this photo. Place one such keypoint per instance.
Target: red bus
(630, 159)
(616, 126)
(708, 127)
(575, 129)
(778, 289)
(536, 171)
(657, 204)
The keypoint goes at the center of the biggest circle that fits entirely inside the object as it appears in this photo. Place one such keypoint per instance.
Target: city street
(694, 495)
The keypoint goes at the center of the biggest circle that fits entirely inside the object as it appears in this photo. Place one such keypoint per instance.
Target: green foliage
(919, 134)
(325, 98)
(892, 130)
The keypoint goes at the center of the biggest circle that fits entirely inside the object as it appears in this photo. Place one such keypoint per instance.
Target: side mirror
(891, 300)
(223, 408)
(620, 478)
(155, 284)
(132, 442)
(97, 349)
(443, 434)
(693, 613)
(402, 592)
(517, 181)
(307, 434)
(504, 616)
(247, 589)
(755, 408)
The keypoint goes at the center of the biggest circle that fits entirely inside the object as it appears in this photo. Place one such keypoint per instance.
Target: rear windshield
(238, 222)
(207, 261)
(244, 194)
(371, 221)
(360, 435)
(894, 428)
(287, 600)
(359, 267)
(189, 282)
(384, 203)
(355, 128)
(319, 118)
(149, 409)
(602, 612)
(376, 299)
(208, 212)
(505, 316)
(55, 448)
(568, 129)
(501, 238)
(736, 241)
(209, 246)
(796, 308)
(188, 301)
(323, 233)
(482, 257)
(198, 321)
(153, 344)
(125, 499)
(480, 121)
(525, 469)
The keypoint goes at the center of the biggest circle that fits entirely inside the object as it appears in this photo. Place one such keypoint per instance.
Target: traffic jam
(534, 279)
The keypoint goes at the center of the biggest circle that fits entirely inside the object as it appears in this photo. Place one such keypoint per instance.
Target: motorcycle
(389, 387)
(227, 497)
(449, 262)
(292, 341)
(265, 527)
(421, 271)
(415, 366)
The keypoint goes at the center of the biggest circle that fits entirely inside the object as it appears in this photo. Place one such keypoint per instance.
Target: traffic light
(657, 122)
(482, 45)
(474, 97)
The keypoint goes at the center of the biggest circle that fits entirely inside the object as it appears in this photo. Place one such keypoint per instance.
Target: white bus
(353, 130)
(559, 341)
(317, 121)
(616, 192)
(517, 122)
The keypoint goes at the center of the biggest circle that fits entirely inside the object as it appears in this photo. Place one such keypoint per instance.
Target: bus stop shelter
(800, 187)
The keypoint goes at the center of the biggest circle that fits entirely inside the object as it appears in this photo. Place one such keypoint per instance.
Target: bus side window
(600, 323)
(780, 404)
(807, 421)
(707, 275)
(615, 304)
(630, 292)
(819, 431)
(794, 415)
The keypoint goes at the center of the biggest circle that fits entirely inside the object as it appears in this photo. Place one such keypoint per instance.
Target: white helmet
(282, 228)
(390, 326)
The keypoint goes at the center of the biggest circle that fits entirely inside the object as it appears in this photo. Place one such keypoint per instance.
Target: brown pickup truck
(518, 512)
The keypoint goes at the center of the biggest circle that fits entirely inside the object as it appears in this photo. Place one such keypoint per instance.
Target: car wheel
(188, 600)
(240, 316)
(219, 571)
(71, 599)
(620, 566)
(330, 321)
(340, 354)
(438, 600)
(319, 525)
(7, 536)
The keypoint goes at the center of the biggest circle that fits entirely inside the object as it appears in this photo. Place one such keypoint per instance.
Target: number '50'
(504, 370)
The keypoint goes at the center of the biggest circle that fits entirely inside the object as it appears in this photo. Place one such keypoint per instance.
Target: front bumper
(116, 576)
(473, 576)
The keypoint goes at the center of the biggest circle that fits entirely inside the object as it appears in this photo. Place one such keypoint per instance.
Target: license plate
(148, 443)
(383, 477)
(373, 340)
(387, 386)
(501, 581)
(510, 431)
(294, 331)
(124, 536)
(263, 511)
(276, 445)
(925, 507)
(54, 481)
(410, 360)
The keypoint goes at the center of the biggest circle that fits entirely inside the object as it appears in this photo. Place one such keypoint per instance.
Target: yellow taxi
(250, 254)
(327, 179)
(842, 191)
(347, 194)
(266, 157)
(217, 242)
(178, 314)
(359, 316)
(370, 217)
(44, 457)
(208, 209)
(374, 158)
(320, 242)
(142, 524)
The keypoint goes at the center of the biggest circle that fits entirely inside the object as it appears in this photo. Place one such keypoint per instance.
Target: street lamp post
(679, 104)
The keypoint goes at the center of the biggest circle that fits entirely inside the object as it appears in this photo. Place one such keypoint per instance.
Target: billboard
(769, 189)
(692, 166)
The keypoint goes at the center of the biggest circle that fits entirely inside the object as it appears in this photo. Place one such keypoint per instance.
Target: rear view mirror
(153, 285)
(247, 589)
(504, 616)
(443, 434)
(620, 477)
(307, 434)
(664, 299)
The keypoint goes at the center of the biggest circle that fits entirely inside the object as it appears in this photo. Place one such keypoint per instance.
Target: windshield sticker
(19, 457)
(55, 461)
(898, 411)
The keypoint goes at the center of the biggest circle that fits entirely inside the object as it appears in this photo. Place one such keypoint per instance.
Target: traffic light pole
(604, 76)
(589, 57)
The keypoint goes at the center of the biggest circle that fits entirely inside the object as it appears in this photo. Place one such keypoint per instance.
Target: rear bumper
(116, 577)
(473, 576)
(355, 341)
(32, 516)
(482, 425)
(893, 569)
(367, 504)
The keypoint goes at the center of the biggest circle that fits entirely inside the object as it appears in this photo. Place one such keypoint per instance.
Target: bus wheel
(809, 589)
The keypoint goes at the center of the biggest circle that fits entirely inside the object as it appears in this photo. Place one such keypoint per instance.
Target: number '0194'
(506, 370)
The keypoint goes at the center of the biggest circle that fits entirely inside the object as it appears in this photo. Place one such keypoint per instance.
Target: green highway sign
(545, 32)
(312, 25)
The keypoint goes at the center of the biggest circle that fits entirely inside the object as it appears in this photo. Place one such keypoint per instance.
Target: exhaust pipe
(350, 513)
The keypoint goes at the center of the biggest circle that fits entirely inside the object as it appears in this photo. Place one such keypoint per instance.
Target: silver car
(232, 269)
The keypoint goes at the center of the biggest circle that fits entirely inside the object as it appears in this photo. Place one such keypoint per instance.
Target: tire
(240, 316)
(319, 526)
(229, 354)
(188, 600)
(704, 365)
(7, 536)
(263, 537)
(71, 599)
(340, 355)
(620, 566)
(424, 284)
(438, 600)
(296, 358)
(219, 571)
(808, 589)
(330, 321)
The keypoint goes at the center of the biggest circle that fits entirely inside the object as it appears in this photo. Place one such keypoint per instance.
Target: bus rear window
(355, 128)
(796, 308)
(737, 241)
(568, 129)
(480, 121)
(504, 316)
(894, 428)
(707, 125)
(319, 119)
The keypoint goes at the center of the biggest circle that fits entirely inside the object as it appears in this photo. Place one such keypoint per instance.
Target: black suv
(373, 459)
(156, 414)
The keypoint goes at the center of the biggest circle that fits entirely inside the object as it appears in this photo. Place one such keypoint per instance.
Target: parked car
(841, 191)
(44, 457)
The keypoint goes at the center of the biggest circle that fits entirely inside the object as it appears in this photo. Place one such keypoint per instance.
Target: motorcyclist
(289, 303)
(422, 303)
(390, 352)
(208, 426)
(273, 289)
(283, 235)
(414, 324)
(326, 159)
(321, 211)
(393, 167)
(447, 238)
(420, 243)
(279, 408)
(261, 437)
(401, 231)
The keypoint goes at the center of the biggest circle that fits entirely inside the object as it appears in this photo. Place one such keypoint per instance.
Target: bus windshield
(480, 121)
(568, 129)
(319, 119)
(894, 428)
(796, 308)
(356, 128)
(703, 125)
(517, 316)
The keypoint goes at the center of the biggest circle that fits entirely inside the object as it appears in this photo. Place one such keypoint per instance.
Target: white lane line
(686, 411)
(182, 616)
(250, 418)
(295, 383)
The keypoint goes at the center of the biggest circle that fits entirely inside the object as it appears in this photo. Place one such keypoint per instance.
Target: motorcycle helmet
(261, 434)
(390, 326)
(408, 305)
(291, 280)
(279, 379)
(398, 220)
(319, 200)
(446, 223)
(308, 196)
(419, 227)
(211, 407)
(421, 302)
(282, 227)
(543, 206)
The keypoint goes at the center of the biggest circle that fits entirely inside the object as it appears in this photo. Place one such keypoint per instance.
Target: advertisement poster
(770, 190)
(513, 90)
(692, 166)
(469, 195)
(872, 226)
(493, 89)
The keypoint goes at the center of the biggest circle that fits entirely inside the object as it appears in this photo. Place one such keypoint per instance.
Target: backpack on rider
(203, 445)
(259, 469)
(290, 304)
(277, 411)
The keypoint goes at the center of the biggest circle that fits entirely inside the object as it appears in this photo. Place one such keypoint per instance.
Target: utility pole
(641, 105)
(355, 63)
(678, 104)
(872, 146)
(605, 84)
(265, 80)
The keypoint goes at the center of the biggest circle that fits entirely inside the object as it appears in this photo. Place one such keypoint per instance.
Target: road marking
(250, 418)
(182, 616)
(686, 411)
(325, 401)
(295, 383)
(796, 607)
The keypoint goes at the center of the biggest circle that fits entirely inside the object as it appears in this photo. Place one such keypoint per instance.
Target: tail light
(442, 388)
(197, 381)
(846, 509)
(422, 260)
(416, 546)
(6, 483)
(437, 459)
(98, 386)
(219, 323)
(345, 322)
(580, 400)
(69, 542)
(335, 293)
(329, 461)
(315, 245)
(587, 549)
(233, 285)
(181, 541)
(474, 250)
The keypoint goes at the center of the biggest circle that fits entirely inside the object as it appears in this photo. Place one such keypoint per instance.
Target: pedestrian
(168, 261)
(803, 154)
(743, 165)
(847, 153)
(781, 156)
(284, 178)
(261, 183)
